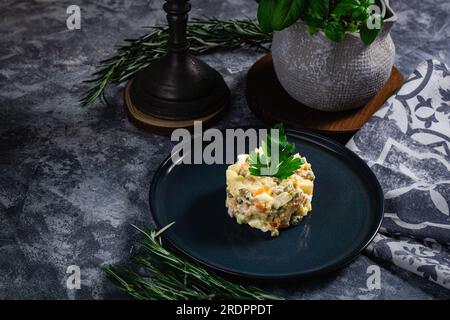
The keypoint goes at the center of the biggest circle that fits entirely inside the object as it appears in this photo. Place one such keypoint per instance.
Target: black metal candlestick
(176, 89)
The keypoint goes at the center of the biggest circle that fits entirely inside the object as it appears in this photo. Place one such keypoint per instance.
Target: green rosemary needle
(204, 36)
(156, 273)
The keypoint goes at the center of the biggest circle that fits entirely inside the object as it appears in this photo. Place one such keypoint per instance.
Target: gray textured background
(73, 179)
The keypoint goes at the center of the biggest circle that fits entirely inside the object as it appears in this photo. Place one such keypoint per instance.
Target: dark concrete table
(73, 179)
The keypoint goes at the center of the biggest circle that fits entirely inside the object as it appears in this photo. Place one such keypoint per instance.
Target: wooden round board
(161, 126)
(270, 102)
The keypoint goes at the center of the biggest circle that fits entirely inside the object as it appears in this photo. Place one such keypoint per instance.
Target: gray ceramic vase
(331, 76)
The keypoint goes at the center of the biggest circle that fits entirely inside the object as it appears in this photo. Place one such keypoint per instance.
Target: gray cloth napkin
(407, 145)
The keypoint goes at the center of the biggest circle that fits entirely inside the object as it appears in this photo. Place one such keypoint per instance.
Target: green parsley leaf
(286, 164)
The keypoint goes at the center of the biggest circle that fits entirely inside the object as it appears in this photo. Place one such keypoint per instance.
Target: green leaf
(255, 164)
(334, 31)
(359, 13)
(312, 30)
(352, 27)
(287, 12)
(367, 3)
(368, 35)
(286, 165)
(265, 148)
(287, 168)
(265, 15)
(313, 24)
(344, 8)
(319, 8)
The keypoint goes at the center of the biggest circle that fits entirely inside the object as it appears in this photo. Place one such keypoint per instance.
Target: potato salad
(265, 202)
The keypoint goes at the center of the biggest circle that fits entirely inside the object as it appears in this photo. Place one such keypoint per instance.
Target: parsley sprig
(261, 162)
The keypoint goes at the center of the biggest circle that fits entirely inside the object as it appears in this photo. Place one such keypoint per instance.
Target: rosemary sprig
(159, 274)
(204, 36)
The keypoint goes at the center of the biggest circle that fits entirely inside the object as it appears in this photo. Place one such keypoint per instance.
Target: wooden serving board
(272, 104)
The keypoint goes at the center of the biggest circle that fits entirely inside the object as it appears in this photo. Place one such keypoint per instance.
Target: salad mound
(268, 203)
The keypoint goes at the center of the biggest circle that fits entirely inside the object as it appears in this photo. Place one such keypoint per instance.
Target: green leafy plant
(286, 162)
(204, 36)
(156, 273)
(334, 17)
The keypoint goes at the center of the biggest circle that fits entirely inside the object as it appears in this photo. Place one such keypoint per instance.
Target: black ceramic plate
(347, 212)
